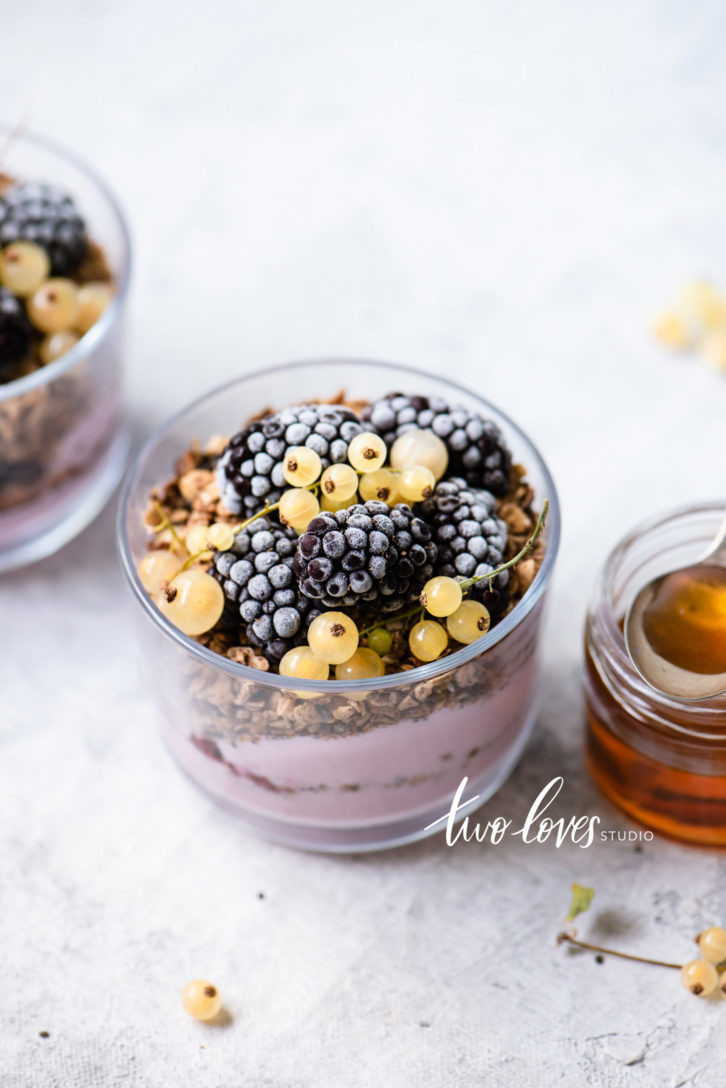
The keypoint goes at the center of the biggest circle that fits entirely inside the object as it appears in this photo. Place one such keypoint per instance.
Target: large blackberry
(249, 472)
(477, 450)
(35, 212)
(261, 590)
(470, 537)
(15, 334)
(369, 554)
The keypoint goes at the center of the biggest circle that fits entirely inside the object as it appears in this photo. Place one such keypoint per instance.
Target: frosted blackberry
(39, 213)
(250, 471)
(369, 554)
(477, 450)
(260, 588)
(15, 334)
(470, 537)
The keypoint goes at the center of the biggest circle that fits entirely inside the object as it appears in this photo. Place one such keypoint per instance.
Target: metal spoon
(662, 675)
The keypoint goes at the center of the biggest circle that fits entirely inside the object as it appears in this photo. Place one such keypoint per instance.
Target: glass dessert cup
(660, 760)
(337, 766)
(63, 445)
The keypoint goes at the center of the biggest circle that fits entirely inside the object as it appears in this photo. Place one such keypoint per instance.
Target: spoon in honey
(675, 629)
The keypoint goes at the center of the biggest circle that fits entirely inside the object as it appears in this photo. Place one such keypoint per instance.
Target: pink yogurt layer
(77, 457)
(363, 778)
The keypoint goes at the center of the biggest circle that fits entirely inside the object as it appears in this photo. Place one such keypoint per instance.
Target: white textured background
(504, 189)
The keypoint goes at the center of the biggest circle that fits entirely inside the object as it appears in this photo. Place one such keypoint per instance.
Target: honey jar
(661, 760)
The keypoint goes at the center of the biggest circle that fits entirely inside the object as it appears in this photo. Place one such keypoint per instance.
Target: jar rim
(88, 344)
(421, 673)
(608, 614)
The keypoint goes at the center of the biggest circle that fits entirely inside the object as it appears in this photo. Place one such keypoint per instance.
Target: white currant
(54, 306)
(301, 466)
(93, 299)
(193, 601)
(339, 482)
(427, 640)
(469, 622)
(700, 977)
(333, 637)
(24, 266)
(416, 483)
(367, 452)
(417, 447)
(364, 664)
(441, 596)
(201, 999)
(381, 485)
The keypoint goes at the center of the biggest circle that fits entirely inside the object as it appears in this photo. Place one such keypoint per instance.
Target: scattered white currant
(712, 944)
(365, 664)
(380, 640)
(54, 306)
(201, 999)
(419, 447)
(339, 482)
(427, 640)
(441, 596)
(24, 266)
(333, 637)
(298, 507)
(301, 663)
(193, 601)
(469, 622)
(220, 536)
(301, 466)
(55, 345)
(93, 299)
(367, 452)
(156, 569)
(700, 977)
(381, 484)
(416, 483)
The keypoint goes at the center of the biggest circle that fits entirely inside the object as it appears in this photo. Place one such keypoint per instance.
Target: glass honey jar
(661, 760)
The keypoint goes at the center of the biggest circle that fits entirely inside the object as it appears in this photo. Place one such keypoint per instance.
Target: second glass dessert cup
(333, 765)
(63, 442)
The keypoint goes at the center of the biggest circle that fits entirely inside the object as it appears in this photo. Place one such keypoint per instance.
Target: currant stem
(468, 582)
(192, 559)
(165, 523)
(267, 509)
(527, 547)
(614, 952)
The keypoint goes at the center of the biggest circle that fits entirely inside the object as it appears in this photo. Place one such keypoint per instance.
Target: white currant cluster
(59, 308)
(707, 974)
(418, 459)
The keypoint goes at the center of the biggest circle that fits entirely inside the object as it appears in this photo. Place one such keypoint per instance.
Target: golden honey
(685, 622)
(660, 760)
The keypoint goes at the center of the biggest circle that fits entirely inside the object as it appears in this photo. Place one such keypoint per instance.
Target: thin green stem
(527, 547)
(467, 583)
(390, 620)
(614, 952)
(268, 509)
(192, 559)
(165, 523)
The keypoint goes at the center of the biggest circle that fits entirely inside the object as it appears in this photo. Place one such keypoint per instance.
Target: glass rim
(418, 674)
(98, 332)
(604, 605)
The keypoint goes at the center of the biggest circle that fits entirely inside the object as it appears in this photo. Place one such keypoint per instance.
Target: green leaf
(582, 897)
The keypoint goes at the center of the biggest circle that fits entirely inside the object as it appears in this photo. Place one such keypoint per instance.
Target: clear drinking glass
(373, 762)
(63, 445)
